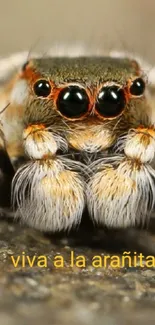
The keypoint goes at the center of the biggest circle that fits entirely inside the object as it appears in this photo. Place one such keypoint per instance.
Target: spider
(85, 128)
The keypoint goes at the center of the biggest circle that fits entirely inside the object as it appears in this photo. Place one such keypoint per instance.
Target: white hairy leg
(48, 190)
(121, 191)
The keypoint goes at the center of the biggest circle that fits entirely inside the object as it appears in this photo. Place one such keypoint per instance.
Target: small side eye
(137, 87)
(42, 88)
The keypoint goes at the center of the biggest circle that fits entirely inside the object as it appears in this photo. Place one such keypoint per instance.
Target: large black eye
(42, 88)
(72, 102)
(111, 101)
(137, 88)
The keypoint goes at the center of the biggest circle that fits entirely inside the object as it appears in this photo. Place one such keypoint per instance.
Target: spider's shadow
(111, 240)
(89, 236)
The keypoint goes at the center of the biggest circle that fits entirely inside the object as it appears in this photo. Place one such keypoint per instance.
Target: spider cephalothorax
(85, 125)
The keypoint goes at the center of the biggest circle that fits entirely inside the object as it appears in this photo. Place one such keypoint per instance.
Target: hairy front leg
(48, 190)
(121, 191)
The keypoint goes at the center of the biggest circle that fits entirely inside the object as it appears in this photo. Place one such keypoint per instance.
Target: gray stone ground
(73, 295)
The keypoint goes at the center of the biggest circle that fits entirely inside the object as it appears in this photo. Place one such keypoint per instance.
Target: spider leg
(121, 190)
(6, 174)
(48, 190)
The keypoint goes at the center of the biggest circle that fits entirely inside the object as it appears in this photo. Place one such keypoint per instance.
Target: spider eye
(137, 88)
(42, 88)
(111, 101)
(72, 102)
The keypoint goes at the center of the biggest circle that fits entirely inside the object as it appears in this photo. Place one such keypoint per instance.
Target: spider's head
(91, 100)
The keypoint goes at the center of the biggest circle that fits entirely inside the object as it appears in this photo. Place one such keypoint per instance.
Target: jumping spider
(85, 126)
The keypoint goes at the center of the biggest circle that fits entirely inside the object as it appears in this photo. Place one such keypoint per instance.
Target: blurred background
(105, 24)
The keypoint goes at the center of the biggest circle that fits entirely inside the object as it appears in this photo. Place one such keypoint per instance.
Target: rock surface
(46, 294)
